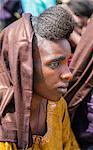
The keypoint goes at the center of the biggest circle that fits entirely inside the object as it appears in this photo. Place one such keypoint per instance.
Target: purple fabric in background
(90, 114)
(4, 14)
(9, 7)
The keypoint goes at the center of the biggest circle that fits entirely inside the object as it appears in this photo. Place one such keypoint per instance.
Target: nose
(67, 76)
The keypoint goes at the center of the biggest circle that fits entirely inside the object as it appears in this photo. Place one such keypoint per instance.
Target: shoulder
(22, 28)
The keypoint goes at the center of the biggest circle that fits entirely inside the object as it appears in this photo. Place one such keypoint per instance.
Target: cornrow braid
(54, 24)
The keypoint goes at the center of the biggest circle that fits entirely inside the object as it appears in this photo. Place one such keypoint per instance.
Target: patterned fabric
(59, 135)
(7, 146)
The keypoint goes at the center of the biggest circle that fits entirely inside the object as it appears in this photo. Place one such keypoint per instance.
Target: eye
(54, 65)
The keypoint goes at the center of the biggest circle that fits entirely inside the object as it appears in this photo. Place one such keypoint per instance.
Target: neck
(37, 97)
(36, 100)
(38, 115)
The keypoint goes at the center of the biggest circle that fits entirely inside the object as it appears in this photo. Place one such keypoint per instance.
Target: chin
(53, 96)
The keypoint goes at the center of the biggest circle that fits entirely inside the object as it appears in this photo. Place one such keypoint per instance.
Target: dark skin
(51, 78)
(81, 23)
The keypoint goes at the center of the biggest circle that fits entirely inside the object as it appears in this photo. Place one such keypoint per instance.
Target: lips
(62, 90)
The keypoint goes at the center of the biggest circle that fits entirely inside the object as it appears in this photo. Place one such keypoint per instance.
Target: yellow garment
(59, 135)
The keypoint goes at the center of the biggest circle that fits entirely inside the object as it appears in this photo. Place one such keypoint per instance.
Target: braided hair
(54, 24)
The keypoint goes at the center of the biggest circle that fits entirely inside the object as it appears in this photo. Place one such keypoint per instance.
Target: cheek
(51, 77)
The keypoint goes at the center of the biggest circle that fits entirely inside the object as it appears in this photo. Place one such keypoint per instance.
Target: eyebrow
(59, 58)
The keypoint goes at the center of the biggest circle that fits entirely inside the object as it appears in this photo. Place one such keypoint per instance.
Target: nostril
(70, 76)
(67, 76)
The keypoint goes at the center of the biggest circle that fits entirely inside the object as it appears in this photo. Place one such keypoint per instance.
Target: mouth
(62, 90)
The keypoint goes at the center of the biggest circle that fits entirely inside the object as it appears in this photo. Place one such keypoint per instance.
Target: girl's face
(51, 72)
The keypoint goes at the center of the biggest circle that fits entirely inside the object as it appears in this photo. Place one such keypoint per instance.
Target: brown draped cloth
(16, 75)
(81, 68)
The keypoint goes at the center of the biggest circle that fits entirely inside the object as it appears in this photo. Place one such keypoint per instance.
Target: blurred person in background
(81, 11)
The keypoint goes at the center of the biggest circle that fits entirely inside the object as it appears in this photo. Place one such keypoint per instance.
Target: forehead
(80, 19)
(52, 49)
